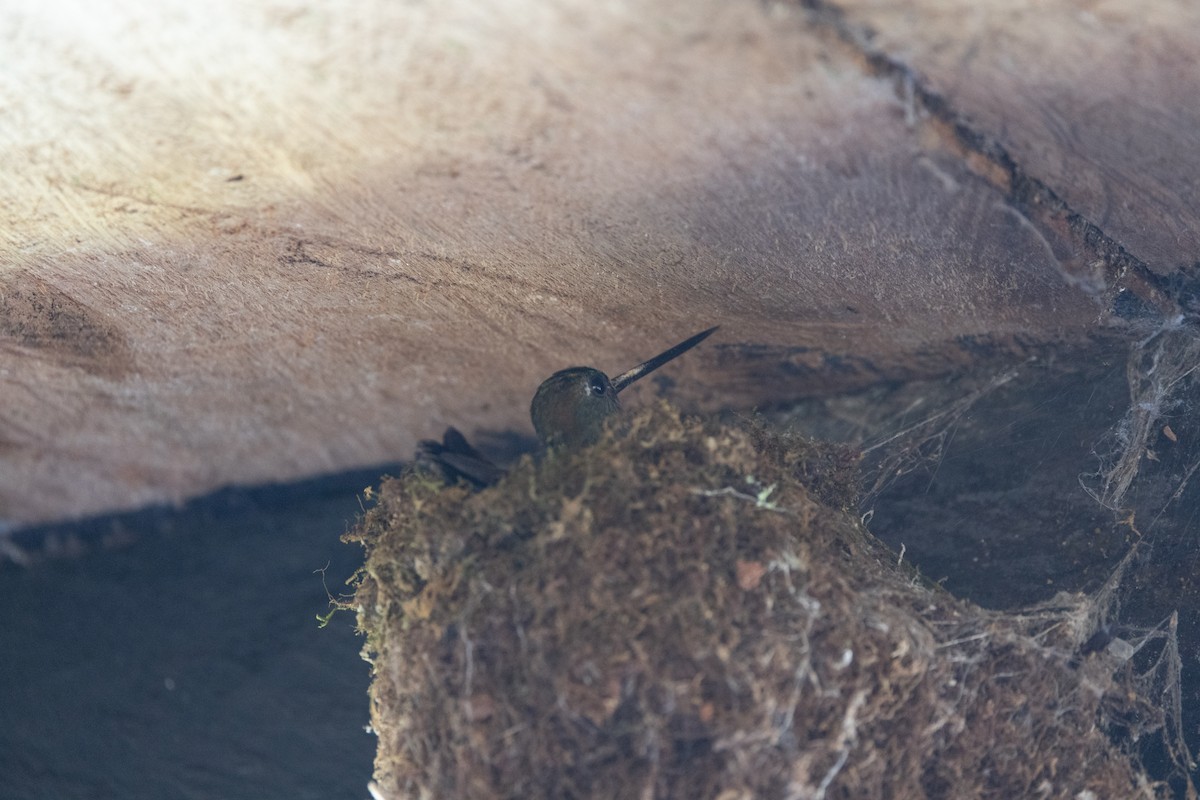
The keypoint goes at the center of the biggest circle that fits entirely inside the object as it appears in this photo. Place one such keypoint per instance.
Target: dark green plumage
(569, 410)
(571, 405)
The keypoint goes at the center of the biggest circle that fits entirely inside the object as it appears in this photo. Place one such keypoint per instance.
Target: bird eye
(597, 386)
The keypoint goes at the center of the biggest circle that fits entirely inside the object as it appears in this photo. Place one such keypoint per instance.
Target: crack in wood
(990, 160)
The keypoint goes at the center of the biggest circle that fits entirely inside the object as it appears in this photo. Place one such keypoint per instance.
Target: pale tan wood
(1098, 99)
(251, 242)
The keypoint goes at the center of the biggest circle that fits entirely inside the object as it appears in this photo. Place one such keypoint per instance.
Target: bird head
(570, 406)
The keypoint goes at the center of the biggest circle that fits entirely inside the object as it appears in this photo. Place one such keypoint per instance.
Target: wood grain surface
(1095, 98)
(259, 241)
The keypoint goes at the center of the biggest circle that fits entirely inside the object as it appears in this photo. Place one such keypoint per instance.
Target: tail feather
(456, 459)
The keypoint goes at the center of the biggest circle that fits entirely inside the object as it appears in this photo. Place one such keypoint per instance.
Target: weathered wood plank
(1099, 100)
(292, 239)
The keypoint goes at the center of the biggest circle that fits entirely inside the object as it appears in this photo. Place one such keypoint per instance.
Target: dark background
(188, 663)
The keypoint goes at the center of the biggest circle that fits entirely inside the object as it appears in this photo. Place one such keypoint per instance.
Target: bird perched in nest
(568, 410)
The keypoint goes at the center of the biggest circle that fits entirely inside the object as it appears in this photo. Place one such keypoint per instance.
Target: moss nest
(692, 609)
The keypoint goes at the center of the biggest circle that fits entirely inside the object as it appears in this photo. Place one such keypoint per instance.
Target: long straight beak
(646, 367)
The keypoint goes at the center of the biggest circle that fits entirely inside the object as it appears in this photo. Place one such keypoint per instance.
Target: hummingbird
(571, 405)
(568, 410)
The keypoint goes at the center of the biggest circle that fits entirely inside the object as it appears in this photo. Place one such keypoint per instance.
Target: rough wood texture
(1097, 99)
(250, 242)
